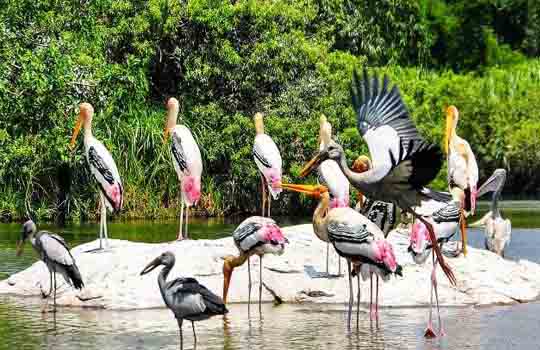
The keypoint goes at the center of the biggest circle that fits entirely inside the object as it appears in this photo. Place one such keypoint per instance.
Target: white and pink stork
(268, 160)
(102, 167)
(187, 162)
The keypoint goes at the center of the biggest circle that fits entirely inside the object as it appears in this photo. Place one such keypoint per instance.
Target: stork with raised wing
(255, 235)
(268, 160)
(356, 239)
(498, 231)
(187, 161)
(184, 296)
(403, 162)
(54, 252)
(102, 167)
(462, 169)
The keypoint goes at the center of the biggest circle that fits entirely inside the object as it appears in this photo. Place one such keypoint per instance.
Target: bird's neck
(87, 129)
(319, 217)
(235, 261)
(494, 207)
(162, 279)
(358, 180)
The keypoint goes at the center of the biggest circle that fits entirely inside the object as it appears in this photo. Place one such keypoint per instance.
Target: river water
(22, 326)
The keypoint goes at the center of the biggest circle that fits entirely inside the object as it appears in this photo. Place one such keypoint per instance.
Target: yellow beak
(78, 126)
(310, 190)
(166, 133)
(311, 165)
(449, 128)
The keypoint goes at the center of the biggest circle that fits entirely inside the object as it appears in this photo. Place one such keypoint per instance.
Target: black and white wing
(193, 300)
(179, 156)
(402, 159)
(382, 214)
(246, 236)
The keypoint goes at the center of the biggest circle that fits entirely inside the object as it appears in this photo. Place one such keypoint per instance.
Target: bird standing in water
(268, 160)
(187, 162)
(356, 239)
(184, 296)
(54, 252)
(256, 235)
(102, 167)
(462, 169)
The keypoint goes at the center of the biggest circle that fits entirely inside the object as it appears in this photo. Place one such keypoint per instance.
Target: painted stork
(444, 215)
(102, 167)
(498, 230)
(268, 160)
(356, 239)
(382, 214)
(54, 252)
(462, 168)
(403, 162)
(187, 162)
(184, 296)
(256, 235)
(331, 176)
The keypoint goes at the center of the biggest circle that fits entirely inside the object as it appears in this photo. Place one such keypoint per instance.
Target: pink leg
(429, 333)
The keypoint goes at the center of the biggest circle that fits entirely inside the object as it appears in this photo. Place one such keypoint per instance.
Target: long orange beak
(449, 128)
(227, 274)
(310, 190)
(20, 247)
(360, 198)
(312, 165)
(166, 133)
(78, 126)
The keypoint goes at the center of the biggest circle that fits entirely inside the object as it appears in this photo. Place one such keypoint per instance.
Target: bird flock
(401, 166)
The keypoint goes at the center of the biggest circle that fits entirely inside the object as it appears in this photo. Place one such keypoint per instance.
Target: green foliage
(291, 60)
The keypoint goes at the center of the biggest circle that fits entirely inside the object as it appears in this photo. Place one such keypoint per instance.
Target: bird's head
(28, 229)
(361, 165)
(173, 106)
(86, 112)
(316, 191)
(331, 151)
(166, 259)
(452, 116)
(259, 124)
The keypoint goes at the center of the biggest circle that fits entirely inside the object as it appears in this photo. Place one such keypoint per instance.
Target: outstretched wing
(401, 157)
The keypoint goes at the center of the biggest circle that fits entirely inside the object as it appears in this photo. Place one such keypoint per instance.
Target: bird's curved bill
(20, 247)
(153, 264)
(166, 133)
(312, 164)
(312, 190)
(76, 130)
(449, 126)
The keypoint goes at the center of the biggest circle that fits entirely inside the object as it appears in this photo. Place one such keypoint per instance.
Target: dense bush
(225, 61)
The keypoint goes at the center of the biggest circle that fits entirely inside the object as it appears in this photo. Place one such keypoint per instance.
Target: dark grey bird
(498, 230)
(403, 162)
(184, 296)
(55, 253)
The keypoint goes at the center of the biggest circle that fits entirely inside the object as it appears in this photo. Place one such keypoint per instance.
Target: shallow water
(22, 326)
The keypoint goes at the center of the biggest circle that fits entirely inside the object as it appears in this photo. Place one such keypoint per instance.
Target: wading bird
(184, 296)
(187, 163)
(462, 169)
(403, 162)
(331, 176)
(54, 252)
(102, 167)
(498, 231)
(356, 239)
(256, 235)
(268, 160)
(444, 216)
(382, 214)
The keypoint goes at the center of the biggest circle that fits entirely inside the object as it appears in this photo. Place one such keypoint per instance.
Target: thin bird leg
(377, 298)
(351, 299)
(180, 333)
(187, 222)
(101, 224)
(54, 298)
(260, 281)
(194, 334)
(339, 265)
(434, 279)
(263, 191)
(180, 234)
(269, 205)
(358, 301)
(43, 295)
(429, 333)
(249, 283)
(444, 266)
(104, 214)
(371, 296)
(327, 252)
(463, 227)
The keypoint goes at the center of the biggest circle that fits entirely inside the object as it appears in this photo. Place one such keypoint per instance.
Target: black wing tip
(399, 270)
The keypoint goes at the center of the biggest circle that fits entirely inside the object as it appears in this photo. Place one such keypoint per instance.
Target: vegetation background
(226, 60)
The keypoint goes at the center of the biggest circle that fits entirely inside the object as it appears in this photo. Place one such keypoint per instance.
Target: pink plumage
(385, 253)
(191, 188)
